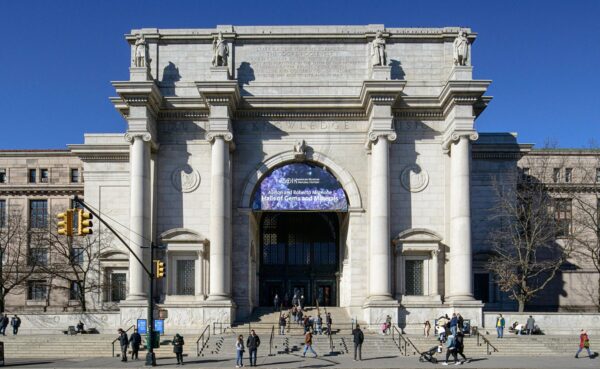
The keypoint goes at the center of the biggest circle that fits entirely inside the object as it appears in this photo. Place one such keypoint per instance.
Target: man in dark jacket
(123, 342)
(136, 341)
(15, 323)
(252, 343)
(3, 324)
(178, 343)
(359, 337)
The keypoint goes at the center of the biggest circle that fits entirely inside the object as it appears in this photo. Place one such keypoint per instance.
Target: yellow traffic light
(160, 269)
(84, 224)
(65, 223)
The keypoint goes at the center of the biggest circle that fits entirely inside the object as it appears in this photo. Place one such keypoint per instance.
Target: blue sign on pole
(141, 326)
(159, 326)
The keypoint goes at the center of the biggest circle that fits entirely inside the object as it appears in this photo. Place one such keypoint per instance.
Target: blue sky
(57, 58)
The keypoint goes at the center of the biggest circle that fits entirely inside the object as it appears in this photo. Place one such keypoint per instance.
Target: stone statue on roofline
(378, 53)
(141, 54)
(461, 49)
(220, 51)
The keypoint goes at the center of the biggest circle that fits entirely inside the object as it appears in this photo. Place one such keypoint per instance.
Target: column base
(215, 297)
(376, 310)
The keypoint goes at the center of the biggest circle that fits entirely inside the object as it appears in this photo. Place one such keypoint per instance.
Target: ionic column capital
(374, 136)
(226, 135)
(454, 137)
(145, 136)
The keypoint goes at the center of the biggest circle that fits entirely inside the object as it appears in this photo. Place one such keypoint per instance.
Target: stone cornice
(220, 93)
(567, 188)
(380, 93)
(142, 93)
(303, 115)
(463, 93)
(41, 190)
(100, 153)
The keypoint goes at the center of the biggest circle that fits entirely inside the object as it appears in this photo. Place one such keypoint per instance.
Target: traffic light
(84, 225)
(160, 269)
(65, 223)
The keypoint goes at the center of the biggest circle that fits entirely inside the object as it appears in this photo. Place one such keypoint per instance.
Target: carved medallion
(414, 178)
(185, 178)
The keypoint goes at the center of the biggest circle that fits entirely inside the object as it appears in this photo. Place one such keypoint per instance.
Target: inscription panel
(301, 126)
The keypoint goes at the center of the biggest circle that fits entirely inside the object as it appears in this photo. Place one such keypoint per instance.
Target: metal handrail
(487, 342)
(220, 324)
(271, 341)
(204, 340)
(116, 339)
(330, 343)
(403, 342)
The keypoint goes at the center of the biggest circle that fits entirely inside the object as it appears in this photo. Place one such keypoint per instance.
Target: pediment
(182, 235)
(418, 235)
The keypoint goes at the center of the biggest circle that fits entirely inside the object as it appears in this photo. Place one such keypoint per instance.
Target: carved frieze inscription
(306, 62)
(299, 126)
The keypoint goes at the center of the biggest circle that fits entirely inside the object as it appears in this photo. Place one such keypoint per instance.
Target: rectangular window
(38, 256)
(563, 216)
(74, 291)
(118, 287)
(32, 175)
(37, 290)
(74, 175)
(44, 175)
(525, 175)
(2, 175)
(186, 277)
(77, 256)
(568, 175)
(38, 213)
(414, 277)
(2, 213)
(481, 287)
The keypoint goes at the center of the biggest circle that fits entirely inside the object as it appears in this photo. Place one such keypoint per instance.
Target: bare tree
(75, 267)
(528, 247)
(17, 264)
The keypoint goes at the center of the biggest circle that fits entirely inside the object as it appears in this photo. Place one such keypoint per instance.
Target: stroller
(429, 355)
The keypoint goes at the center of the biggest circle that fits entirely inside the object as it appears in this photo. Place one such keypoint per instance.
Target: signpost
(142, 326)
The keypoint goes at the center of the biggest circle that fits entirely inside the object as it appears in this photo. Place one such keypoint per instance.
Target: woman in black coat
(178, 348)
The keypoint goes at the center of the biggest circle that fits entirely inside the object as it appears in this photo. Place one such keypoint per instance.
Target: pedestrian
(388, 324)
(294, 314)
(306, 324)
(441, 331)
(500, 323)
(530, 325)
(451, 350)
(15, 323)
(3, 324)
(252, 343)
(359, 338)
(427, 328)
(461, 323)
(295, 300)
(329, 322)
(460, 346)
(319, 324)
(453, 325)
(123, 342)
(300, 317)
(301, 302)
(136, 340)
(239, 348)
(584, 343)
(308, 344)
(286, 300)
(282, 324)
(80, 326)
(276, 302)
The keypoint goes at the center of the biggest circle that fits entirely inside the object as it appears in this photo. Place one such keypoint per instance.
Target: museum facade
(340, 163)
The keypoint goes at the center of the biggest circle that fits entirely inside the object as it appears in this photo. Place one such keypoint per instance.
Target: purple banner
(298, 187)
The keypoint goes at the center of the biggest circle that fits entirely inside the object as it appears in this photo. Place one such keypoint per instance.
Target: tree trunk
(521, 305)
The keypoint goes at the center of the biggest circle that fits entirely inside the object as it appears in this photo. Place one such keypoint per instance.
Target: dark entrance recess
(299, 253)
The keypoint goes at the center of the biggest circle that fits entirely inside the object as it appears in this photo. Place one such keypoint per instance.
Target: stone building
(341, 163)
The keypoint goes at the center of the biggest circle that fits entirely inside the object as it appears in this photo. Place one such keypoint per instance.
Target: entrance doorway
(299, 254)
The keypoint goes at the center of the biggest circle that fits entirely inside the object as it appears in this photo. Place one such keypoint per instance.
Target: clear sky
(57, 58)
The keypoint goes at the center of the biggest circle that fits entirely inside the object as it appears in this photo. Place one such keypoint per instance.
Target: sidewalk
(297, 361)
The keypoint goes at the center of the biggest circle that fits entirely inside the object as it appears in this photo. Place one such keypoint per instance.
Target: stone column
(434, 273)
(460, 218)
(139, 213)
(220, 256)
(379, 216)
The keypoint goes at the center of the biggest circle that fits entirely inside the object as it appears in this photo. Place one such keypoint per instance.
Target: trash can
(155, 341)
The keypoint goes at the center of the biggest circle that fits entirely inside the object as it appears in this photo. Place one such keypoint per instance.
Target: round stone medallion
(185, 178)
(414, 178)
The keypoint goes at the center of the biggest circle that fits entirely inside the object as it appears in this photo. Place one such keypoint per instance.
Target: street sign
(142, 327)
(159, 326)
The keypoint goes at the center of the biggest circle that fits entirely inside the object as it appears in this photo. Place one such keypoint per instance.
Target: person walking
(302, 302)
(282, 324)
(3, 324)
(461, 323)
(300, 317)
(252, 343)
(500, 323)
(308, 344)
(427, 328)
(123, 343)
(388, 324)
(276, 302)
(460, 346)
(359, 338)
(135, 340)
(451, 350)
(239, 348)
(15, 323)
(319, 324)
(329, 322)
(453, 325)
(584, 343)
(530, 325)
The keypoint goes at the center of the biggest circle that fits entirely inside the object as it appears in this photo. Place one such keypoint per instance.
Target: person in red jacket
(584, 343)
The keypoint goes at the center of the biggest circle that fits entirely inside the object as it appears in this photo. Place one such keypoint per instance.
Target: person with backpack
(178, 348)
(359, 338)
(451, 349)
(460, 346)
(584, 343)
(308, 344)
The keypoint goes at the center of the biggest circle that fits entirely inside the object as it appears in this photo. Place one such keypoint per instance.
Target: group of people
(308, 322)
(252, 343)
(297, 301)
(135, 340)
(446, 325)
(15, 323)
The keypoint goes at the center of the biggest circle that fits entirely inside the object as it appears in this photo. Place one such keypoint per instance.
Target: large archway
(299, 208)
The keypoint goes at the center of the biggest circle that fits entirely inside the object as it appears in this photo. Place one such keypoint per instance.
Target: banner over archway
(300, 187)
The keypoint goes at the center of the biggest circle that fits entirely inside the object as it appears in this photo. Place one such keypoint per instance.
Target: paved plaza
(297, 361)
